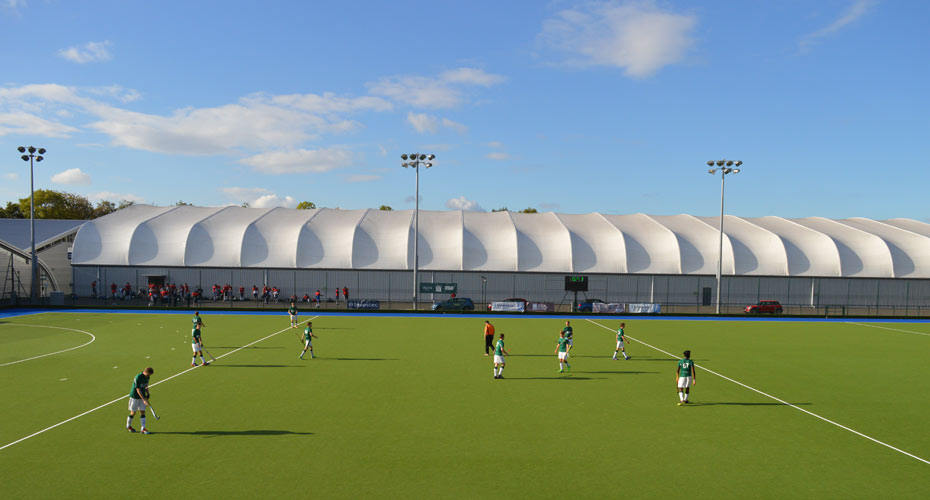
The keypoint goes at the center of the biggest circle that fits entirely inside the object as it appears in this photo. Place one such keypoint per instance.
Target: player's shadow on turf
(357, 359)
(256, 432)
(565, 377)
(256, 366)
(733, 403)
(618, 372)
(238, 347)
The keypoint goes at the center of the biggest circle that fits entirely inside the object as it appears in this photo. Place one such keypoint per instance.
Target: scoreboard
(576, 283)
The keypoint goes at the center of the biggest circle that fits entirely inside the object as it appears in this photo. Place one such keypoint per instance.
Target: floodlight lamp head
(32, 150)
(738, 163)
(39, 158)
(712, 171)
(41, 151)
(431, 157)
(710, 163)
(413, 156)
(21, 149)
(422, 157)
(727, 170)
(403, 157)
(720, 163)
(25, 157)
(735, 170)
(404, 165)
(428, 165)
(729, 163)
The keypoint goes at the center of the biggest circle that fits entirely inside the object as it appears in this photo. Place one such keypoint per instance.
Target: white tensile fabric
(235, 237)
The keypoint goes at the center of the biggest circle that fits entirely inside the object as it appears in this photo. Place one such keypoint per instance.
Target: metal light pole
(725, 167)
(414, 161)
(34, 286)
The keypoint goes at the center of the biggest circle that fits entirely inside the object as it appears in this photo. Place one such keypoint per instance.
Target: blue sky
(573, 107)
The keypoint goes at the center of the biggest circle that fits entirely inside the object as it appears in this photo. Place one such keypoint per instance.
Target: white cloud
(11, 176)
(411, 198)
(382, 150)
(498, 155)
(423, 122)
(71, 176)
(858, 9)
(458, 127)
(436, 147)
(495, 145)
(471, 76)
(362, 178)
(299, 161)
(89, 52)
(462, 203)
(256, 122)
(110, 195)
(442, 92)
(242, 195)
(635, 36)
(22, 123)
(273, 200)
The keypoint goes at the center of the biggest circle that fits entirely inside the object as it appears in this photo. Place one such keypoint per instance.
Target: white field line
(92, 339)
(841, 426)
(886, 328)
(123, 398)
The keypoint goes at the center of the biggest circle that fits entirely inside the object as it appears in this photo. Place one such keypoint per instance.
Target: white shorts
(195, 346)
(307, 344)
(498, 360)
(619, 344)
(293, 317)
(563, 355)
(136, 404)
(684, 382)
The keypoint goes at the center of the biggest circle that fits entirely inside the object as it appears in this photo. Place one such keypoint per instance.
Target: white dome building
(669, 259)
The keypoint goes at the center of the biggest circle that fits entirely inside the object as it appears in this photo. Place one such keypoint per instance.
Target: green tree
(386, 208)
(306, 205)
(58, 205)
(182, 203)
(529, 210)
(501, 209)
(12, 211)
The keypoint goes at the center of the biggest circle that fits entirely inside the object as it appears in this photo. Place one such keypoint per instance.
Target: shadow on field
(617, 372)
(257, 432)
(731, 403)
(568, 377)
(238, 347)
(255, 366)
(357, 359)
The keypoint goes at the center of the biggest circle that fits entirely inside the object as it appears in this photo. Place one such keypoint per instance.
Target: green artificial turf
(408, 408)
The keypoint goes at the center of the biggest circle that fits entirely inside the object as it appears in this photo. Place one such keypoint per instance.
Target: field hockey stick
(152, 409)
(208, 354)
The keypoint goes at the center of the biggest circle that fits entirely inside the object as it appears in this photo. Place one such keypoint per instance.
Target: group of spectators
(172, 294)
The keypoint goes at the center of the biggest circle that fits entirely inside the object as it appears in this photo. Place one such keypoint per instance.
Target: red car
(764, 306)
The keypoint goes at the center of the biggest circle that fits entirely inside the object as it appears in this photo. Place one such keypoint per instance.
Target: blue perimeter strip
(12, 313)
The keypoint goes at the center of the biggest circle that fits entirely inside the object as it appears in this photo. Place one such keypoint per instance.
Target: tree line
(52, 204)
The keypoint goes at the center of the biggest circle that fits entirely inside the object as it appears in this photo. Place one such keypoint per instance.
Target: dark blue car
(587, 305)
(456, 304)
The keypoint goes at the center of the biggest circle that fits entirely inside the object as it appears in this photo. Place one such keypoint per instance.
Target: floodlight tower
(34, 285)
(414, 161)
(725, 167)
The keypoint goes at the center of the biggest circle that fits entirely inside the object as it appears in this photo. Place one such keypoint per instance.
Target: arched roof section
(543, 243)
(271, 240)
(756, 250)
(106, 241)
(440, 240)
(861, 254)
(162, 240)
(650, 246)
(916, 227)
(910, 251)
(597, 245)
(381, 240)
(698, 244)
(326, 241)
(216, 241)
(809, 252)
(489, 242)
